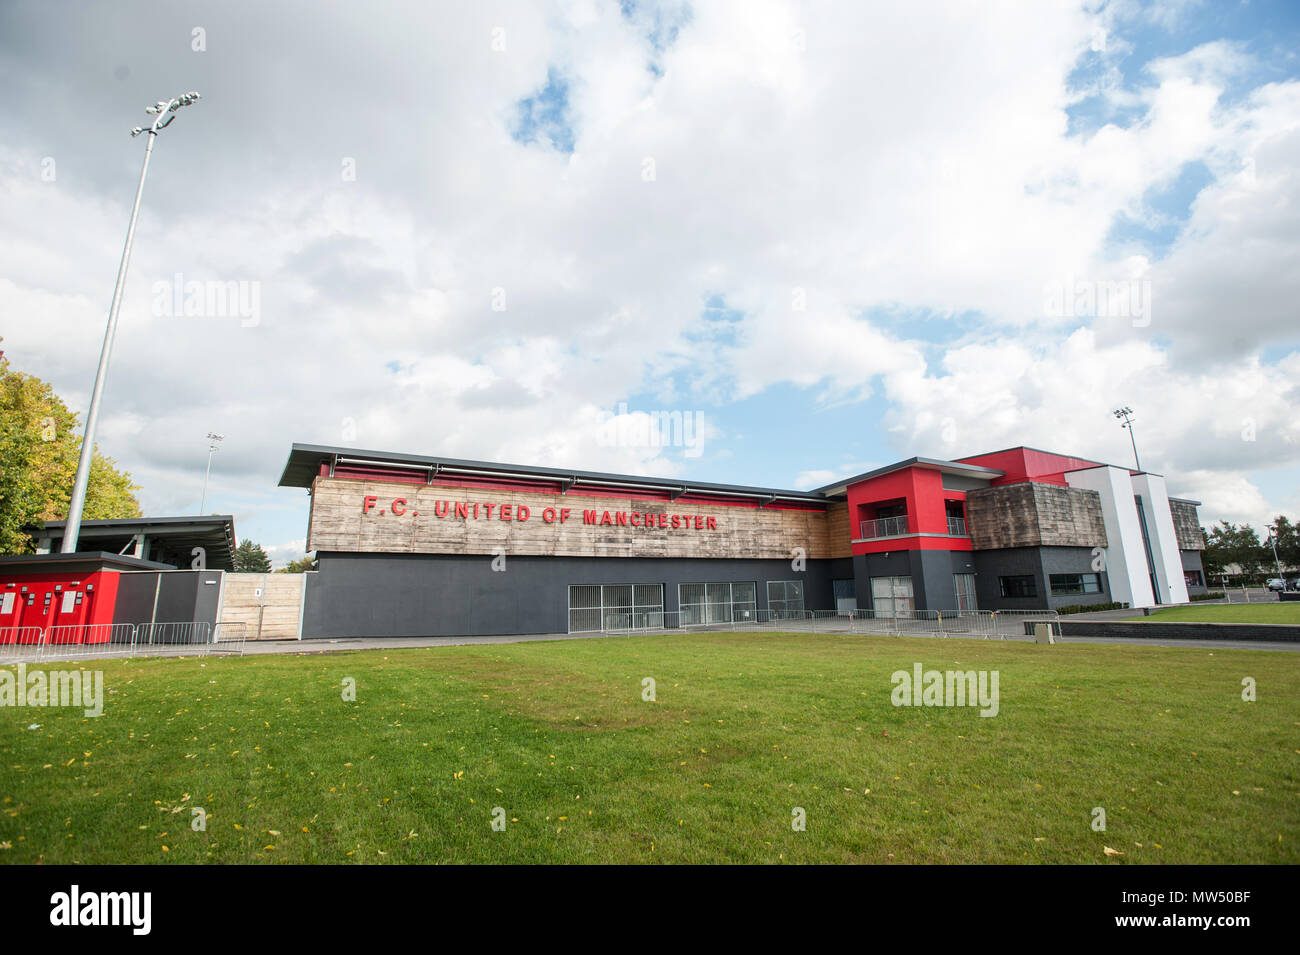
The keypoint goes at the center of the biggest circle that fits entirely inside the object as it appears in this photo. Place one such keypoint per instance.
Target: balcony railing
(957, 526)
(885, 527)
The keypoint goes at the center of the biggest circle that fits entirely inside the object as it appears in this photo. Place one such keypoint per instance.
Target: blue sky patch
(544, 117)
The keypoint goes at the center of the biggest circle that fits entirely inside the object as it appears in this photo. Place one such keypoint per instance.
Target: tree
(39, 445)
(301, 565)
(251, 559)
(1228, 544)
(1288, 544)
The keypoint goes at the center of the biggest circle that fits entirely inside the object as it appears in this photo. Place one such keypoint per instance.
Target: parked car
(1293, 584)
(1275, 583)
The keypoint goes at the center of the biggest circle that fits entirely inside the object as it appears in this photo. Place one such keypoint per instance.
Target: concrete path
(397, 643)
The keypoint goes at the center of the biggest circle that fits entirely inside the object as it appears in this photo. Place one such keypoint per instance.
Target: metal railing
(957, 526)
(884, 527)
(19, 637)
(984, 624)
(85, 641)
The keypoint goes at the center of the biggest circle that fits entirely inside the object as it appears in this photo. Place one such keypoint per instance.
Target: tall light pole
(1126, 415)
(1272, 539)
(72, 529)
(214, 445)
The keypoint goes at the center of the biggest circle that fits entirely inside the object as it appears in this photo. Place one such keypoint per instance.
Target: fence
(997, 624)
(87, 641)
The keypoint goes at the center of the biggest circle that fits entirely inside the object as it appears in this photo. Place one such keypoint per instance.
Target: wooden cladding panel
(838, 531)
(338, 524)
(1034, 515)
(1187, 526)
(272, 616)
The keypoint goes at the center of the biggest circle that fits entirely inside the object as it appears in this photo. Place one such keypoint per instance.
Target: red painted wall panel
(925, 498)
(96, 604)
(1029, 464)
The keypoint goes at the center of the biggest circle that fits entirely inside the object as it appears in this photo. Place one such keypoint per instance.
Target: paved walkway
(404, 643)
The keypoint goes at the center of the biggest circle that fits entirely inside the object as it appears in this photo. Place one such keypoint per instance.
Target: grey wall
(1040, 563)
(415, 595)
(931, 572)
(183, 596)
(1192, 561)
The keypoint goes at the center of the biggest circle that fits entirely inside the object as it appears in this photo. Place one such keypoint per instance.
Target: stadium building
(409, 545)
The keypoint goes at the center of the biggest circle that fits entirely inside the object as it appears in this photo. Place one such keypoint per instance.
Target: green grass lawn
(745, 729)
(1276, 612)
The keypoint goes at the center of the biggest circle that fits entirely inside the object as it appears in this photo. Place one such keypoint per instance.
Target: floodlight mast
(1126, 415)
(214, 445)
(72, 527)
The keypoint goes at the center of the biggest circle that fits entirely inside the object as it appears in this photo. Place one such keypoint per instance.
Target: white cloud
(838, 150)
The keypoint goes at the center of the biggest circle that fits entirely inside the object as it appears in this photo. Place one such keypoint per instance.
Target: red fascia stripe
(355, 473)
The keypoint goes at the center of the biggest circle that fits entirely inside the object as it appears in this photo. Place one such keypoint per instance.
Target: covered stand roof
(168, 540)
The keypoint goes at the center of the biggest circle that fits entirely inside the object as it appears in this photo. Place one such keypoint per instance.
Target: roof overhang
(82, 562)
(934, 464)
(179, 536)
(305, 461)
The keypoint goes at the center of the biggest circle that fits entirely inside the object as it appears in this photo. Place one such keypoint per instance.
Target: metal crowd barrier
(88, 641)
(985, 624)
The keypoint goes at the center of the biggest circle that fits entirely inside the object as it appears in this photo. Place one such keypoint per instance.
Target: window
(596, 607)
(1022, 586)
(1192, 578)
(717, 602)
(1076, 584)
(785, 599)
(891, 596)
(964, 585)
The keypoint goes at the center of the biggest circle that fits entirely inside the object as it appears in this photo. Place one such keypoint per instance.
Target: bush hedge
(1088, 608)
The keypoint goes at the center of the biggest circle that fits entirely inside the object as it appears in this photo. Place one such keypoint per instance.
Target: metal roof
(305, 461)
(948, 467)
(81, 561)
(175, 536)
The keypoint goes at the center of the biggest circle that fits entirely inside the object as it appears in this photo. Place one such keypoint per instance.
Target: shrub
(1090, 607)
(1213, 596)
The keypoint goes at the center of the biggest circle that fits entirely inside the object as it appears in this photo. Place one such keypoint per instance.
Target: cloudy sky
(829, 235)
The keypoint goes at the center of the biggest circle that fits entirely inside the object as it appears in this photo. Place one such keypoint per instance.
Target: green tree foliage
(251, 559)
(301, 565)
(40, 441)
(1288, 544)
(1228, 544)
